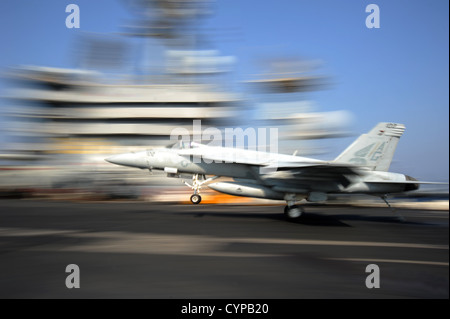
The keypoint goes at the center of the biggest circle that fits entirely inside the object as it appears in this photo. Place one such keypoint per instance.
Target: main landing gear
(197, 185)
(292, 211)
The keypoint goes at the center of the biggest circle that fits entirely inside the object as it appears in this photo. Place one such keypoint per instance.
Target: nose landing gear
(197, 185)
(196, 199)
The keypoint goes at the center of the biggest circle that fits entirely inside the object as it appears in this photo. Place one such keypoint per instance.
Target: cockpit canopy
(180, 145)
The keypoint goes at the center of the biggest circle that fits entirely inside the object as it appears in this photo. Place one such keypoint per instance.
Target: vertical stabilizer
(374, 149)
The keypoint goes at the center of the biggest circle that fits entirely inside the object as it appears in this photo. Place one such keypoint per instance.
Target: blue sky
(398, 73)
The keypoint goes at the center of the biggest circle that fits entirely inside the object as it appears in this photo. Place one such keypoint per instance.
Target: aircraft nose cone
(137, 159)
(122, 159)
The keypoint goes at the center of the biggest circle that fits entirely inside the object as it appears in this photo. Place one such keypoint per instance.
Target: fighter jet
(362, 168)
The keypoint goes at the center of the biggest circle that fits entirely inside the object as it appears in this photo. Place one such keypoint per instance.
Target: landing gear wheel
(293, 212)
(196, 199)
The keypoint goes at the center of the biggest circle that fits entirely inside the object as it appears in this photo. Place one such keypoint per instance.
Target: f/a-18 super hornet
(362, 168)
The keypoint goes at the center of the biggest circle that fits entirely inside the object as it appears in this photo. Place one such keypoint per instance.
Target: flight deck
(143, 250)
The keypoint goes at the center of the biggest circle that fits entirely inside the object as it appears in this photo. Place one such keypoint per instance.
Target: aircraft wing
(321, 167)
(283, 172)
(305, 177)
(240, 156)
(300, 167)
(222, 156)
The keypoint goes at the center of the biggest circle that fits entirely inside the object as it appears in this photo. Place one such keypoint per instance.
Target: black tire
(196, 199)
(293, 212)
